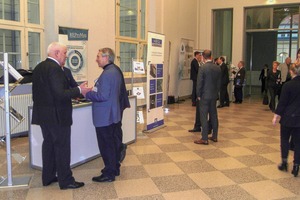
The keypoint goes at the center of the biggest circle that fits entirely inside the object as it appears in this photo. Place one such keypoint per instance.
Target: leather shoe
(123, 152)
(50, 182)
(295, 170)
(220, 106)
(227, 104)
(213, 139)
(205, 142)
(102, 178)
(195, 130)
(74, 185)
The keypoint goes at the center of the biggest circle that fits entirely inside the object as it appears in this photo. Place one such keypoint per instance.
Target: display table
(84, 146)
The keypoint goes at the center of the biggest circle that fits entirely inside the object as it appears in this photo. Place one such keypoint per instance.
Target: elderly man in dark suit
(52, 110)
(194, 73)
(106, 112)
(208, 87)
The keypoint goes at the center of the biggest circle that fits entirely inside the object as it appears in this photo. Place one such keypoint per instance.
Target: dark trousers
(194, 95)
(107, 137)
(56, 153)
(238, 94)
(285, 134)
(273, 92)
(197, 124)
(224, 97)
(208, 109)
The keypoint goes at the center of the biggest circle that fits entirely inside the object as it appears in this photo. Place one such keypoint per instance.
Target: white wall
(95, 15)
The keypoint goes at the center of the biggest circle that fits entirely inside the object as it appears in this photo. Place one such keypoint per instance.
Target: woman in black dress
(273, 82)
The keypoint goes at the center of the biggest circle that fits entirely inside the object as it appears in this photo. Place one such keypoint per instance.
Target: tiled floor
(166, 164)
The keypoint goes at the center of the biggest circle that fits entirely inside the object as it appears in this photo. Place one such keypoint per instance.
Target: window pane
(10, 43)
(128, 18)
(143, 19)
(128, 51)
(286, 18)
(258, 18)
(34, 55)
(222, 37)
(10, 10)
(33, 11)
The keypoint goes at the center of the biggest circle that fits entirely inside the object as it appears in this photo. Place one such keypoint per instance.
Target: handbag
(265, 99)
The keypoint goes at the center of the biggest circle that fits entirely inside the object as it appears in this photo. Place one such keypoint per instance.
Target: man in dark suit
(224, 97)
(106, 111)
(70, 77)
(52, 110)
(239, 81)
(208, 87)
(193, 74)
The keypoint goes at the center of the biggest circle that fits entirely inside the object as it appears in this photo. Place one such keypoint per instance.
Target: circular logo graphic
(75, 61)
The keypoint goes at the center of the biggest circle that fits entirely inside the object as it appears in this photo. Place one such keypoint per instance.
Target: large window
(222, 34)
(130, 33)
(21, 32)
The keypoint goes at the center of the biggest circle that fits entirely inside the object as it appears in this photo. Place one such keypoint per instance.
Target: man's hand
(84, 88)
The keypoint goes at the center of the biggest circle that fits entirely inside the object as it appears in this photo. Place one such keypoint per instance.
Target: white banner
(76, 41)
(155, 75)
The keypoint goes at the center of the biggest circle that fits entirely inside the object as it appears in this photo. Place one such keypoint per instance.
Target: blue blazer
(106, 97)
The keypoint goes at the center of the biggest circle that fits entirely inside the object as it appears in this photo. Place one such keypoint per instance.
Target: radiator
(20, 103)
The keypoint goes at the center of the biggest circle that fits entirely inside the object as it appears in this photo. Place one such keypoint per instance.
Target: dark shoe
(117, 173)
(195, 130)
(205, 142)
(213, 139)
(283, 166)
(52, 181)
(220, 106)
(74, 185)
(235, 102)
(123, 152)
(295, 170)
(227, 104)
(102, 178)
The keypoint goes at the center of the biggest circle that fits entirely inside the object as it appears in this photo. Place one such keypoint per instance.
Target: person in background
(208, 87)
(239, 81)
(193, 75)
(297, 61)
(288, 110)
(106, 111)
(52, 111)
(224, 97)
(273, 82)
(263, 77)
(285, 74)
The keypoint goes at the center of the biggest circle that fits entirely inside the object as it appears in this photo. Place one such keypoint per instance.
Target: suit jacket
(106, 97)
(224, 74)
(289, 104)
(194, 69)
(51, 95)
(124, 100)
(70, 78)
(239, 78)
(209, 81)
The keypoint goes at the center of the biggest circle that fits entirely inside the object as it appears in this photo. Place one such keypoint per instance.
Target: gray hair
(55, 46)
(108, 52)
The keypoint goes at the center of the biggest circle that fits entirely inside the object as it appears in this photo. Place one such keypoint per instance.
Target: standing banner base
(154, 129)
(17, 182)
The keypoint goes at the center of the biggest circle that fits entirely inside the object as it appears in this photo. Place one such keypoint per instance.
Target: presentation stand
(84, 146)
(10, 181)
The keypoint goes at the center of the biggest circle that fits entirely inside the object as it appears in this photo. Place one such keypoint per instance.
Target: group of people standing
(210, 82)
(52, 110)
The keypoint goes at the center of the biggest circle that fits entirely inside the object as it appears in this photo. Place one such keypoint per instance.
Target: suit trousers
(194, 95)
(56, 154)
(224, 97)
(197, 124)
(238, 94)
(208, 109)
(107, 137)
(285, 134)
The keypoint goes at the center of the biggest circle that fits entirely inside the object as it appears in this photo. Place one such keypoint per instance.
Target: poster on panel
(186, 55)
(155, 71)
(76, 41)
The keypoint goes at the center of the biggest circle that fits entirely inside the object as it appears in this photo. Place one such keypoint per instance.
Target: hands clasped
(84, 88)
